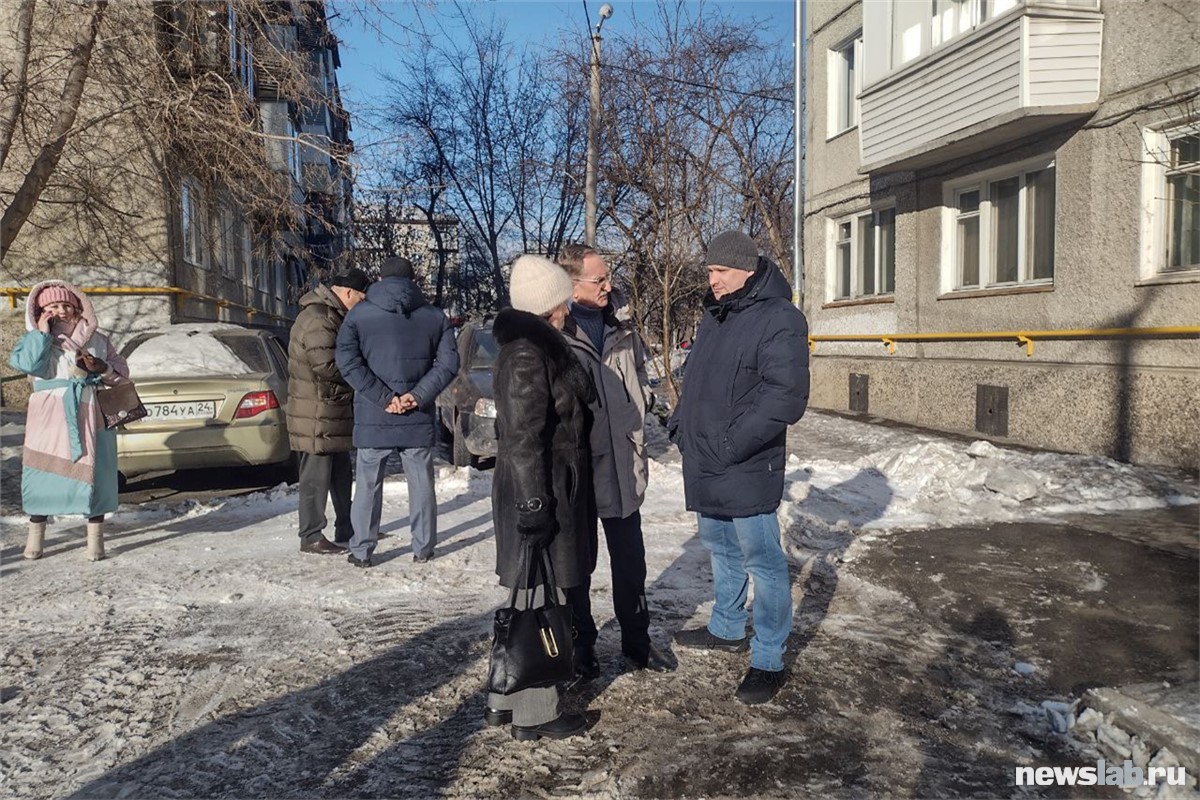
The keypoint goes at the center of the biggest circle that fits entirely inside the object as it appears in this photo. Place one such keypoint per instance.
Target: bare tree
(37, 176)
(684, 158)
(501, 129)
(152, 94)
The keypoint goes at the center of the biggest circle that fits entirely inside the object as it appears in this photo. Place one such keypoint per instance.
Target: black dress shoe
(654, 660)
(587, 666)
(566, 724)
(359, 562)
(496, 718)
(321, 547)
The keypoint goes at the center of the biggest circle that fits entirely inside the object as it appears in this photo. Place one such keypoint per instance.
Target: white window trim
(856, 266)
(1156, 152)
(982, 181)
(834, 92)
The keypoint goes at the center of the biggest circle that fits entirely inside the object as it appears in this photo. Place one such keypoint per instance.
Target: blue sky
(366, 54)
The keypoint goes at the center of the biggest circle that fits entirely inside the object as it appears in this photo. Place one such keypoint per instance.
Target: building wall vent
(991, 409)
(859, 398)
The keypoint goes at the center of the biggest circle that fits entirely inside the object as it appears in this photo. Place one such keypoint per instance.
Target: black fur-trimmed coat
(542, 395)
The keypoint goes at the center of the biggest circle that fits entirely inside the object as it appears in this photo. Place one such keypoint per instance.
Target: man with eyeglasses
(612, 351)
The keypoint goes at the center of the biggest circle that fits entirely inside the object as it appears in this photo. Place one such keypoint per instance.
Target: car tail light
(255, 403)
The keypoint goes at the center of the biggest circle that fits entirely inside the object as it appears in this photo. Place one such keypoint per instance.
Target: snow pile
(917, 480)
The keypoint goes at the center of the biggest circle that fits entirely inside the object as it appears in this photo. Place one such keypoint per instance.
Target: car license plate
(199, 409)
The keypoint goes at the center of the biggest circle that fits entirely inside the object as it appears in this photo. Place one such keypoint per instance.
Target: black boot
(759, 686)
(650, 658)
(587, 666)
(566, 724)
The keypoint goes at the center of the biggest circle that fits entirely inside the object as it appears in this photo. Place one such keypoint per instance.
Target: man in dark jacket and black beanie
(746, 382)
(398, 352)
(320, 412)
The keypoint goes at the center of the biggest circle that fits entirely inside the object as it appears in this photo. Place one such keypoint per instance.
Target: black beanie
(396, 267)
(732, 249)
(352, 279)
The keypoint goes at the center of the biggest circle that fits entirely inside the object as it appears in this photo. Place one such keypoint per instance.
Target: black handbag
(119, 404)
(532, 647)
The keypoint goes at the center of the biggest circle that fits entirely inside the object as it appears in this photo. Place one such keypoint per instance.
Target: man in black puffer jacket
(746, 382)
(320, 413)
(398, 352)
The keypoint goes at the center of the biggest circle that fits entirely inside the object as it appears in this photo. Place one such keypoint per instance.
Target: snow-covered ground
(207, 657)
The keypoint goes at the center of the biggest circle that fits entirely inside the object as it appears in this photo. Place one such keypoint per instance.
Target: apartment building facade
(218, 144)
(982, 169)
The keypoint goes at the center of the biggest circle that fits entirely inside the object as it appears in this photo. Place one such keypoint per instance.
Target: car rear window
(194, 354)
(485, 350)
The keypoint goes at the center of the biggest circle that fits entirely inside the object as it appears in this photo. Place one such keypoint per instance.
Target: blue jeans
(742, 548)
(367, 506)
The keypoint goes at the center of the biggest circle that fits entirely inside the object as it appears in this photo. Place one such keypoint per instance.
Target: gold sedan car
(215, 393)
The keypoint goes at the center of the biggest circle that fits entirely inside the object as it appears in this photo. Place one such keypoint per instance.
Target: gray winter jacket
(619, 468)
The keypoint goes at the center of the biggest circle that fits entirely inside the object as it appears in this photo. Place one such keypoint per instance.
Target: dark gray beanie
(732, 249)
(396, 267)
(352, 279)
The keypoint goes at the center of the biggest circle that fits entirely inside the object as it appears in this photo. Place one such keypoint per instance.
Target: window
(192, 222)
(864, 255)
(919, 27)
(1002, 228)
(845, 260)
(952, 17)
(1183, 203)
(845, 81)
(293, 151)
(232, 243)
(910, 31)
(1171, 200)
(241, 50)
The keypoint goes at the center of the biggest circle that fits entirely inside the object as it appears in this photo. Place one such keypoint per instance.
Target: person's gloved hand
(536, 523)
(92, 364)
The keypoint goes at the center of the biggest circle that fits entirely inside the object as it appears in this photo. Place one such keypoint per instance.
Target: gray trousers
(320, 476)
(529, 706)
(368, 498)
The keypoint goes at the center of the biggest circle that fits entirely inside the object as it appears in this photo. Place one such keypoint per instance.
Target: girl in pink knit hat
(70, 458)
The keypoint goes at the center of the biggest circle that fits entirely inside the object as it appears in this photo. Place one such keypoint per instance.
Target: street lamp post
(589, 183)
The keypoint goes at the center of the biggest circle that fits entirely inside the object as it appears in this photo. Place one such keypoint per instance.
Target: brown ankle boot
(95, 541)
(33, 544)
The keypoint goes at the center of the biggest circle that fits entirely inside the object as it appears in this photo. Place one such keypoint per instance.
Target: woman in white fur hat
(69, 463)
(542, 480)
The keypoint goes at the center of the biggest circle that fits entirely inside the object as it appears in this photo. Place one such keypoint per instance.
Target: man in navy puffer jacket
(746, 382)
(399, 353)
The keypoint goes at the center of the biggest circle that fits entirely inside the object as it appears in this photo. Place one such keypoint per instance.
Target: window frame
(192, 218)
(241, 50)
(858, 222)
(988, 221)
(1156, 206)
(839, 86)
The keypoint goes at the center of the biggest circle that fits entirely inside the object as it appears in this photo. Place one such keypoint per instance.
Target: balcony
(1033, 68)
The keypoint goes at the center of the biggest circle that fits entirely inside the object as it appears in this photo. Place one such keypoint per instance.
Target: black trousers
(320, 476)
(627, 556)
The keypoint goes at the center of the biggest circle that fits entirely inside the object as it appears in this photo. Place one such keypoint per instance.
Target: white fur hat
(538, 285)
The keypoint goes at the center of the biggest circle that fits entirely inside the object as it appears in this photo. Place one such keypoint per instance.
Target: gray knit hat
(732, 249)
(538, 285)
